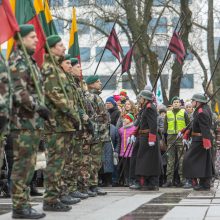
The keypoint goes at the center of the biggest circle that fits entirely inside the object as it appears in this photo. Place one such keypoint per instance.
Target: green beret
(92, 79)
(53, 39)
(67, 57)
(74, 61)
(174, 98)
(25, 29)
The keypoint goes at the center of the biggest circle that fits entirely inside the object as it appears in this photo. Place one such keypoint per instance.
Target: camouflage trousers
(175, 159)
(84, 171)
(72, 165)
(56, 148)
(1, 155)
(25, 147)
(96, 158)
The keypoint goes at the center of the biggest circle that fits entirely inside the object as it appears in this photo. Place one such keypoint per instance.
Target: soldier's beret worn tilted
(53, 40)
(67, 57)
(74, 61)
(92, 79)
(25, 29)
(174, 98)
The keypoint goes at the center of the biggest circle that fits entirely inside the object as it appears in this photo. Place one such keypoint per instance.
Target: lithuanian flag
(73, 42)
(45, 17)
(25, 14)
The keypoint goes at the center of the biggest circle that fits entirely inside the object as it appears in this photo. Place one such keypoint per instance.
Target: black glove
(73, 120)
(43, 112)
(3, 122)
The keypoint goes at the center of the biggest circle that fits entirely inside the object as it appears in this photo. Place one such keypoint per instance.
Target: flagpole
(121, 63)
(105, 46)
(167, 54)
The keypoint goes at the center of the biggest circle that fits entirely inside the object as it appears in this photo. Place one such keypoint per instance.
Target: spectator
(113, 110)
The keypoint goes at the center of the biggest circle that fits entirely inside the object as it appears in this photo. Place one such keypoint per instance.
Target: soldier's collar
(95, 91)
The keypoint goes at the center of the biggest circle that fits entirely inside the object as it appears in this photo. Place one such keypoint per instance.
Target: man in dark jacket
(113, 110)
(197, 162)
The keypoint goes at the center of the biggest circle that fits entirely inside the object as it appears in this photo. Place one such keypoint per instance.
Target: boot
(33, 189)
(136, 185)
(90, 193)
(27, 213)
(56, 207)
(98, 190)
(68, 200)
(77, 194)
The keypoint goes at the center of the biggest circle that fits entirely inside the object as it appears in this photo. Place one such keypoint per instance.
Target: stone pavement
(124, 204)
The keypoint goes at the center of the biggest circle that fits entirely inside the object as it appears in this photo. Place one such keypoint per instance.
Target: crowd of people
(57, 132)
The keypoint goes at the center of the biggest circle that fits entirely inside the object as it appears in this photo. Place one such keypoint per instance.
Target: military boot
(27, 213)
(77, 194)
(98, 190)
(68, 200)
(56, 207)
(90, 193)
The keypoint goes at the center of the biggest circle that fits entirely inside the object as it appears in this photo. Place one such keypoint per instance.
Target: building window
(187, 81)
(159, 2)
(164, 80)
(105, 2)
(126, 84)
(56, 3)
(59, 24)
(161, 27)
(111, 84)
(107, 57)
(78, 3)
(83, 29)
(85, 54)
(178, 2)
(103, 25)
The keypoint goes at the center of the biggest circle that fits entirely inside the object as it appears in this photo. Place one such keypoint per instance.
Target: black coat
(197, 162)
(148, 162)
(114, 115)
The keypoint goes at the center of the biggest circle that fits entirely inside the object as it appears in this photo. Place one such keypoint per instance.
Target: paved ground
(124, 204)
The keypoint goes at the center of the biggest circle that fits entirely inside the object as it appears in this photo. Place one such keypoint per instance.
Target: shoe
(167, 184)
(27, 213)
(68, 200)
(56, 207)
(90, 193)
(201, 188)
(187, 185)
(77, 194)
(135, 186)
(98, 190)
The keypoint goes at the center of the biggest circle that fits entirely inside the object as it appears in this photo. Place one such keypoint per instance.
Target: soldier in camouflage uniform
(103, 121)
(74, 153)
(64, 120)
(4, 106)
(26, 125)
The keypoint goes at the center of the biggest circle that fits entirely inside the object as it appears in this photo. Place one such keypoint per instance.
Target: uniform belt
(196, 134)
(144, 131)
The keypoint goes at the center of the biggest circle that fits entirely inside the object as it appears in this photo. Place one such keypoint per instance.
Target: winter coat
(107, 158)
(197, 162)
(124, 133)
(114, 115)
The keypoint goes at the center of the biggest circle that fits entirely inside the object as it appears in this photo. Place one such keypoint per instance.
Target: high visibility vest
(175, 122)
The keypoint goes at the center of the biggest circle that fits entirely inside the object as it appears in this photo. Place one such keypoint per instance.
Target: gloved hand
(73, 119)
(185, 142)
(151, 144)
(132, 139)
(180, 134)
(43, 112)
(115, 154)
(128, 140)
(3, 122)
(115, 158)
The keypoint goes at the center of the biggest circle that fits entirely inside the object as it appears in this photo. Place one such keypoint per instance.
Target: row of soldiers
(53, 103)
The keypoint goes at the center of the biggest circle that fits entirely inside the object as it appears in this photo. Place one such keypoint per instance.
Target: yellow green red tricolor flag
(73, 42)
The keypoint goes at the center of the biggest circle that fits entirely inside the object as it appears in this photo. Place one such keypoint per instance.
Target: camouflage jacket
(5, 92)
(55, 99)
(25, 98)
(102, 117)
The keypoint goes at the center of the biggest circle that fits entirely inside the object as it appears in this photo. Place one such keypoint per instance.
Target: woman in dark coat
(148, 162)
(197, 161)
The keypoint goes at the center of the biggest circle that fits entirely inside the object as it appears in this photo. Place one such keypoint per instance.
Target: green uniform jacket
(25, 98)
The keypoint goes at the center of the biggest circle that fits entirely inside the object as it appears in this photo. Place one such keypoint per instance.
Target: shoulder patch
(148, 105)
(200, 110)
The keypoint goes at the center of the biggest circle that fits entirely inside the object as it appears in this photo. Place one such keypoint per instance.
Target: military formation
(54, 104)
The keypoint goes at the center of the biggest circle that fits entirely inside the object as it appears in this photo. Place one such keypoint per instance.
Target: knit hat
(25, 29)
(53, 40)
(123, 92)
(116, 97)
(111, 100)
(130, 117)
(92, 79)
